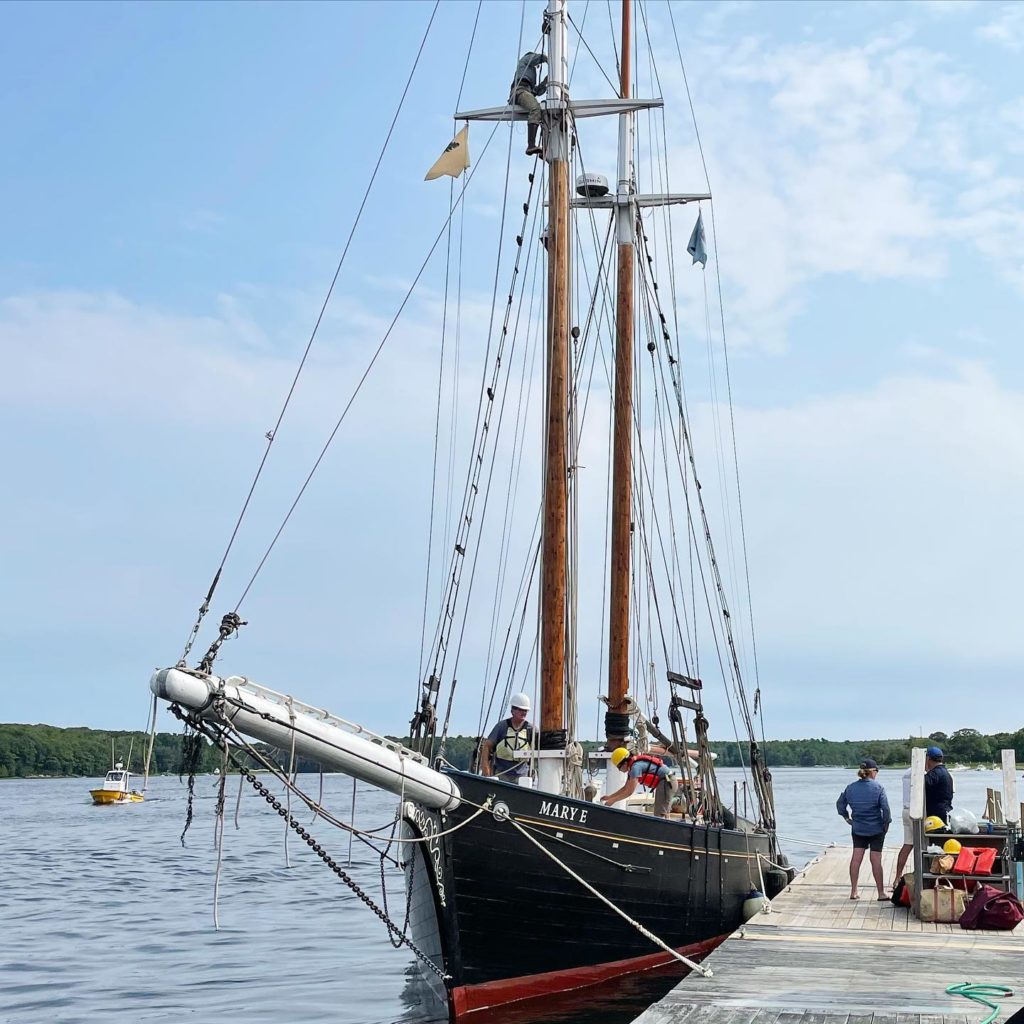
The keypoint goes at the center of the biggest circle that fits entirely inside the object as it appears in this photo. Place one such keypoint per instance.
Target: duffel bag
(992, 908)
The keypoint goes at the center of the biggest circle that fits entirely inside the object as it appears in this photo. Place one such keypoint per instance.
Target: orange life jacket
(650, 778)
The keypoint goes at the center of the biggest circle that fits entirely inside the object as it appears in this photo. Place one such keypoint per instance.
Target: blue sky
(177, 182)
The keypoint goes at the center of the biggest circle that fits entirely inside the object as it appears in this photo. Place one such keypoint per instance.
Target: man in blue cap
(938, 785)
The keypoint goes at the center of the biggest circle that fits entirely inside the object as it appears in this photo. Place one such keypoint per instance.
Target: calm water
(107, 918)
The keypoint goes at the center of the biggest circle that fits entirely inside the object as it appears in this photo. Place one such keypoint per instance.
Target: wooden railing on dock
(821, 958)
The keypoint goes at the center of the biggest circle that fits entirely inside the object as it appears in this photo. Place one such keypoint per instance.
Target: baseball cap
(935, 753)
(869, 763)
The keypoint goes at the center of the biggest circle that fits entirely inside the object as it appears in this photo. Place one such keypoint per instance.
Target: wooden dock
(821, 958)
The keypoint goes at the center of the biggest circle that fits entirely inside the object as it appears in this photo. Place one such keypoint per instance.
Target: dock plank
(821, 958)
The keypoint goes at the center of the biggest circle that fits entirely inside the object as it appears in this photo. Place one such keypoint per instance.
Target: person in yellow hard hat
(647, 770)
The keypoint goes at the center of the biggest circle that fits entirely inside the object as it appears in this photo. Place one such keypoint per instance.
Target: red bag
(985, 859)
(992, 908)
(964, 864)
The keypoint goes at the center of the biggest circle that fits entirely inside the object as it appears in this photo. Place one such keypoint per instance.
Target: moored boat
(524, 888)
(117, 788)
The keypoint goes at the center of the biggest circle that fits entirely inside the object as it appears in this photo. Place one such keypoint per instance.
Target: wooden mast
(621, 510)
(555, 525)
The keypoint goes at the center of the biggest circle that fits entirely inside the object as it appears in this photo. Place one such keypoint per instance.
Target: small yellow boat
(115, 789)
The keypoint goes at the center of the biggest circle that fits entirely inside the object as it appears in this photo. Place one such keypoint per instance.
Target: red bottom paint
(468, 998)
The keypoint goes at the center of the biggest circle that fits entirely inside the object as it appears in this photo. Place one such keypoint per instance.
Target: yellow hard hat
(951, 846)
(933, 822)
(619, 754)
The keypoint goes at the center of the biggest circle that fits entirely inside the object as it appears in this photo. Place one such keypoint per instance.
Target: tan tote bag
(943, 903)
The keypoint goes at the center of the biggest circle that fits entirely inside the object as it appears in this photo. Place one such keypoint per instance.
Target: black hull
(506, 922)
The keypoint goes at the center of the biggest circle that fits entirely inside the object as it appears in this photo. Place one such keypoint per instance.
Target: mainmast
(621, 510)
(559, 116)
(555, 518)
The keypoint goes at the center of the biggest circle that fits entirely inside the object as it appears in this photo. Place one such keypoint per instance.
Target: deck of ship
(821, 958)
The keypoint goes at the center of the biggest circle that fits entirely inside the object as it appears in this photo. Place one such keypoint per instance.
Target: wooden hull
(505, 922)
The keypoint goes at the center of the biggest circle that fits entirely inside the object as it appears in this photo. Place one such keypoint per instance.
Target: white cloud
(837, 159)
(1006, 29)
(879, 518)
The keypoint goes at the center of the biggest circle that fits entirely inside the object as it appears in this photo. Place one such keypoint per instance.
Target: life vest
(514, 740)
(650, 778)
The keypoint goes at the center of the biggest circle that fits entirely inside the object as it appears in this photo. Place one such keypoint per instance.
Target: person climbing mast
(525, 90)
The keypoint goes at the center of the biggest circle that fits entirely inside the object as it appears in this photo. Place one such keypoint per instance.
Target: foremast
(554, 542)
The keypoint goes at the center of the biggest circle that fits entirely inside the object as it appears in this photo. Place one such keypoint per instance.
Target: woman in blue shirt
(864, 805)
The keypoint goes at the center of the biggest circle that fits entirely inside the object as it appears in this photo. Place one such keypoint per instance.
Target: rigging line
(575, 56)
(524, 580)
(450, 470)
(651, 302)
(613, 35)
(737, 678)
(366, 373)
(272, 434)
(526, 586)
(659, 427)
(689, 98)
(707, 179)
(650, 486)
(723, 609)
(442, 634)
(437, 434)
(647, 933)
(487, 493)
(736, 464)
(513, 490)
(719, 448)
(229, 730)
(615, 88)
(445, 608)
(468, 495)
(681, 402)
(518, 434)
(469, 53)
(440, 369)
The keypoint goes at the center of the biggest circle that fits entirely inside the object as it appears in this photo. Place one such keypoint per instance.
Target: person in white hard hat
(508, 741)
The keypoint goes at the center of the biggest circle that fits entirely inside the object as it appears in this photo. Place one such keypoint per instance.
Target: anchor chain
(397, 943)
(338, 870)
(393, 931)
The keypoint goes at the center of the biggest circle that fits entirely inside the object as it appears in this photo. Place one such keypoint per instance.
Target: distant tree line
(45, 750)
(966, 745)
(31, 750)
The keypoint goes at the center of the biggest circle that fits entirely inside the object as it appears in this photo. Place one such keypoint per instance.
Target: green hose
(978, 992)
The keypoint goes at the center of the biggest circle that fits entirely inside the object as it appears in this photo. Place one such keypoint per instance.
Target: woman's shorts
(908, 829)
(872, 843)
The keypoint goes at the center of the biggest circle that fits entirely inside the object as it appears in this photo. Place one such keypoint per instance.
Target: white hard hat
(520, 700)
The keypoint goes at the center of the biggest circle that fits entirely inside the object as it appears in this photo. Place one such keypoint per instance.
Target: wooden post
(1010, 787)
(622, 445)
(916, 820)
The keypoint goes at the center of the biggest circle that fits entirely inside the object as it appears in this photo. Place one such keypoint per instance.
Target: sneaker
(534, 151)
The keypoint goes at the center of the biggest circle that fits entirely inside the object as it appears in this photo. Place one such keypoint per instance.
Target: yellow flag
(455, 158)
